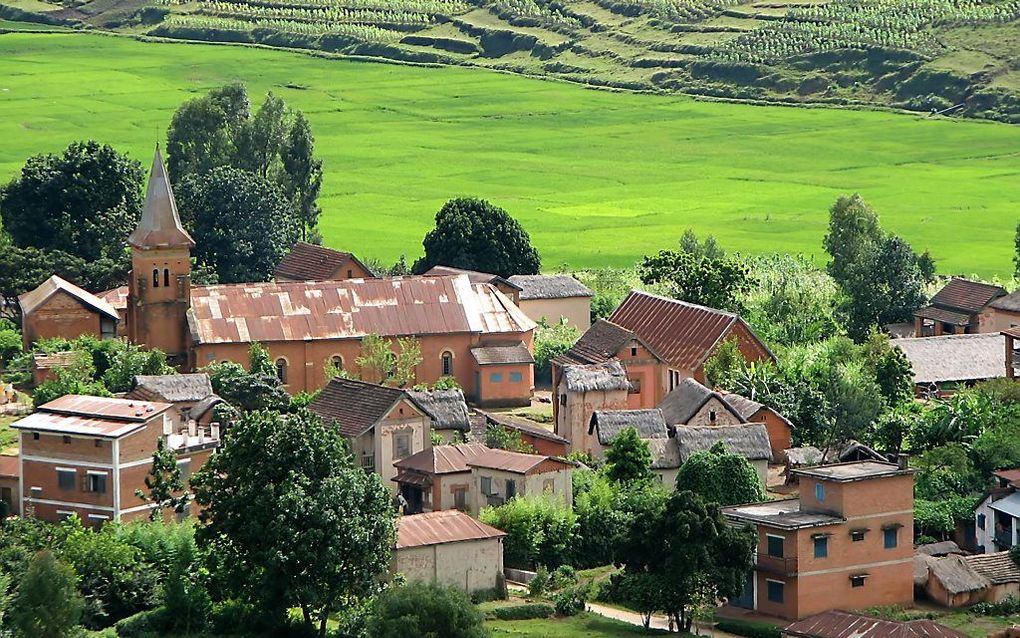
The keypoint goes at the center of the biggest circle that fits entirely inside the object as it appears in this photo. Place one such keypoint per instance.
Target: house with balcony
(845, 542)
(957, 309)
(997, 516)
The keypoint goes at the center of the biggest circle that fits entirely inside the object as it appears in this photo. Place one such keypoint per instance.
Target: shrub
(527, 611)
(537, 585)
(563, 576)
(143, 624)
(748, 629)
(232, 617)
(571, 601)
(420, 609)
(1008, 606)
(540, 530)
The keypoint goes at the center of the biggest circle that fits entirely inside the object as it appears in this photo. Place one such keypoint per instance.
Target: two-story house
(86, 456)
(846, 542)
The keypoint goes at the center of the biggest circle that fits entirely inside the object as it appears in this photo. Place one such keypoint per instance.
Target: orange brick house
(846, 542)
(957, 309)
(58, 308)
(468, 330)
(86, 456)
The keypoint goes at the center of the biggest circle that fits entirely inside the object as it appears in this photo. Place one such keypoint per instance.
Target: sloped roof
(446, 526)
(475, 276)
(32, 299)
(160, 225)
(105, 417)
(1008, 505)
(207, 403)
(967, 296)
(47, 360)
(446, 408)
(502, 354)
(945, 315)
(599, 343)
(515, 462)
(116, 297)
(841, 624)
(1010, 302)
(309, 262)
(602, 377)
(956, 576)
(351, 308)
(967, 357)
(522, 425)
(940, 548)
(681, 333)
(443, 459)
(998, 567)
(747, 408)
(665, 453)
(684, 401)
(549, 287)
(609, 423)
(355, 406)
(749, 440)
(173, 388)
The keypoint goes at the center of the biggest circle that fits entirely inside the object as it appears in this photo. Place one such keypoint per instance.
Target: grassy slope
(584, 625)
(597, 177)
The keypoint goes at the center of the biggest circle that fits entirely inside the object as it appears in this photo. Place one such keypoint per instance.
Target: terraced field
(950, 56)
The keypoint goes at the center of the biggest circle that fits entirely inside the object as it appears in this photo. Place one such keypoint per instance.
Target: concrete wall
(557, 480)
(995, 320)
(468, 565)
(780, 434)
(576, 310)
(497, 385)
(403, 419)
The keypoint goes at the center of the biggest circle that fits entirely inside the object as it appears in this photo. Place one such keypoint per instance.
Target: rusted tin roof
(32, 299)
(352, 308)
(968, 296)
(308, 262)
(160, 225)
(10, 466)
(446, 526)
(514, 462)
(502, 354)
(682, 334)
(474, 275)
(104, 417)
(841, 624)
(443, 459)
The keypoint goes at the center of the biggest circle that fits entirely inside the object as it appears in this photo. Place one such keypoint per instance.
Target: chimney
(903, 461)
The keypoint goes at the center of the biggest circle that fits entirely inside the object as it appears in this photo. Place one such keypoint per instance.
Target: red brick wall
(60, 316)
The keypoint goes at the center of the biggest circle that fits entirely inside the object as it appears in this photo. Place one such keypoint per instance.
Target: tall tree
(48, 604)
(720, 477)
(83, 202)
(708, 247)
(258, 141)
(290, 513)
(853, 232)
(628, 459)
(244, 223)
(198, 139)
(707, 281)
(381, 364)
(476, 235)
(304, 174)
(165, 485)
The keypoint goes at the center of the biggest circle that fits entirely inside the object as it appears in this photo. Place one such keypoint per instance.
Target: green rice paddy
(597, 178)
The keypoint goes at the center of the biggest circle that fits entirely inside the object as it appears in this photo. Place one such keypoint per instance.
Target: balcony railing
(776, 565)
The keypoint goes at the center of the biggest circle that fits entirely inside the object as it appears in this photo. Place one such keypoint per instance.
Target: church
(468, 330)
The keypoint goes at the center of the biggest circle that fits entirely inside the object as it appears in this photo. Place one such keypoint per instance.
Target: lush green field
(596, 177)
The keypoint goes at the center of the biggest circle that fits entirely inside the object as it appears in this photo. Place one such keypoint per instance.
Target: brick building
(58, 308)
(86, 456)
(845, 542)
(957, 309)
(308, 262)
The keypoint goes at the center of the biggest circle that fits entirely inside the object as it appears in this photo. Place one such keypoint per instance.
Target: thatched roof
(957, 576)
(665, 454)
(684, 401)
(922, 565)
(803, 456)
(605, 376)
(609, 423)
(549, 286)
(446, 408)
(998, 568)
(173, 388)
(942, 548)
(750, 440)
(966, 357)
(857, 451)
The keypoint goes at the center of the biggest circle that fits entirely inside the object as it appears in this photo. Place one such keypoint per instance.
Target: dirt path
(658, 622)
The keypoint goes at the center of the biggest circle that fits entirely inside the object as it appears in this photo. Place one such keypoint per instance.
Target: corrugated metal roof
(73, 424)
(968, 357)
(308, 262)
(474, 275)
(1009, 505)
(443, 459)
(32, 299)
(352, 308)
(502, 354)
(116, 297)
(10, 466)
(681, 333)
(1008, 475)
(841, 624)
(512, 461)
(967, 296)
(104, 407)
(446, 526)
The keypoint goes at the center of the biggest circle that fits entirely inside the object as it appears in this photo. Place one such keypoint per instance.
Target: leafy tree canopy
(476, 235)
(47, 604)
(720, 477)
(716, 282)
(540, 530)
(628, 458)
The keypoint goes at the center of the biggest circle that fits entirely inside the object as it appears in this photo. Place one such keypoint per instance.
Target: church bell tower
(159, 291)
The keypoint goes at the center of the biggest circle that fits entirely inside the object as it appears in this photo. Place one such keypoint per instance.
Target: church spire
(160, 225)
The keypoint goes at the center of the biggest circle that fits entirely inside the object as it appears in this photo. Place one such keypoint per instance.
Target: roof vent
(138, 413)
(149, 408)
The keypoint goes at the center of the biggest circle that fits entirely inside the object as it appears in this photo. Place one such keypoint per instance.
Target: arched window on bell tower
(166, 277)
(155, 277)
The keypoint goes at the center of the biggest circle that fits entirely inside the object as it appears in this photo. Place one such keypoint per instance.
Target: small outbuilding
(448, 411)
(553, 298)
(580, 390)
(750, 441)
(449, 548)
(58, 308)
(959, 581)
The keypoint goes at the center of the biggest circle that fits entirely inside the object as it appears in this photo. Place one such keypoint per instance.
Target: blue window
(981, 521)
(775, 592)
(775, 547)
(496, 377)
(516, 377)
(819, 492)
(821, 546)
(890, 535)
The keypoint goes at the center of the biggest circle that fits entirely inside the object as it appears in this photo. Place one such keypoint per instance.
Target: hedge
(527, 611)
(748, 629)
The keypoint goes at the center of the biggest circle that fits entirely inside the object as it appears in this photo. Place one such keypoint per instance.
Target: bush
(564, 576)
(420, 609)
(527, 611)
(748, 629)
(537, 585)
(143, 624)
(571, 601)
(540, 530)
(232, 617)
(1008, 606)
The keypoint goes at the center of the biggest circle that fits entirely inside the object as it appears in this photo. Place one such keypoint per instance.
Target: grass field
(598, 178)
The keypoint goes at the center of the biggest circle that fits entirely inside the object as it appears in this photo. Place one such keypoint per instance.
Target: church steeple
(160, 225)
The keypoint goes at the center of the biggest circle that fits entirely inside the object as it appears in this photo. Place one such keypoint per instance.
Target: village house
(552, 298)
(956, 309)
(749, 440)
(309, 262)
(691, 403)
(943, 365)
(191, 395)
(997, 516)
(86, 456)
(498, 476)
(660, 342)
(606, 425)
(502, 284)
(10, 488)
(439, 478)
(1011, 352)
(842, 624)
(382, 424)
(846, 542)
(58, 308)
(449, 548)
(447, 410)
(961, 581)
(542, 440)
(581, 390)
(470, 331)
(1001, 314)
